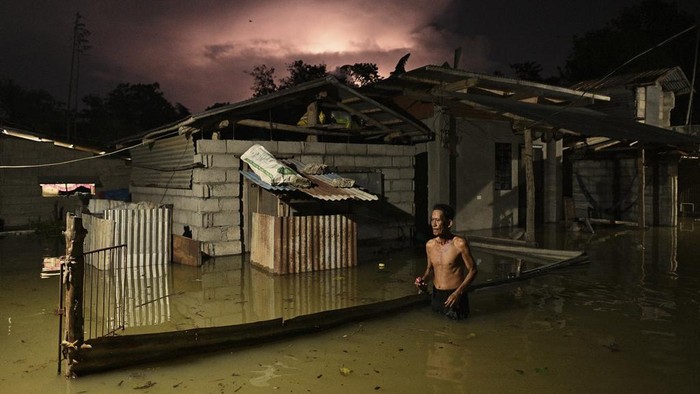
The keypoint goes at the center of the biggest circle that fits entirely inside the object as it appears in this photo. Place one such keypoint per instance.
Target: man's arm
(421, 281)
(463, 247)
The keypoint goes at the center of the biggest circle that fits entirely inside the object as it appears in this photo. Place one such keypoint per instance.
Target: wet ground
(625, 323)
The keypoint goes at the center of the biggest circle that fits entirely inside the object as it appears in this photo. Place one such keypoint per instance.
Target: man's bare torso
(448, 266)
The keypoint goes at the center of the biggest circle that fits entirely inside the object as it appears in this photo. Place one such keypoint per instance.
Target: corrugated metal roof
(582, 121)
(427, 78)
(253, 177)
(321, 188)
(164, 163)
(379, 118)
(671, 79)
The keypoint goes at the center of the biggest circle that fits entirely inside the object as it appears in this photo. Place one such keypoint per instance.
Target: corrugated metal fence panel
(314, 243)
(263, 240)
(147, 234)
(153, 164)
(100, 235)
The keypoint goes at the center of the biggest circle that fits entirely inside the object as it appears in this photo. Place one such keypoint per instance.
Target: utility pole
(80, 47)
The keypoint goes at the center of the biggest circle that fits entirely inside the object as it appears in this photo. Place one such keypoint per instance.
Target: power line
(9, 167)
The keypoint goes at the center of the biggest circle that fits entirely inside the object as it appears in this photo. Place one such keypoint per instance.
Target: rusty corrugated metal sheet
(321, 189)
(304, 243)
(253, 177)
(165, 163)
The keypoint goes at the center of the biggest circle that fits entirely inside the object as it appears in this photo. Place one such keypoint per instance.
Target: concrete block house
(195, 166)
(498, 149)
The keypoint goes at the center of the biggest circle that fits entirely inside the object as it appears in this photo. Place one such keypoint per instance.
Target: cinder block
(344, 161)
(228, 248)
(313, 148)
(357, 149)
(208, 175)
(289, 147)
(237, 147)
(407, 173)
(226, 218)
(208, 234)
(307, 159)
(225, 161)
(401, 161)
(229, 204)
(211, 146)
(402, 185)
(391, 173)
(336, 149)
(233, 176)
(224, 190)
(374, 162)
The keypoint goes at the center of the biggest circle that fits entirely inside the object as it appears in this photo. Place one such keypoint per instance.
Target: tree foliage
(634, 30)
(128, 109)
(34, 110)
(358, 74)
(528, 71)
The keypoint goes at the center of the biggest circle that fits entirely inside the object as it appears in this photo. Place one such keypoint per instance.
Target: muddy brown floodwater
(627, 322)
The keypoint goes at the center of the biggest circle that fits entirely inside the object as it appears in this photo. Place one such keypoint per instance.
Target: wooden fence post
(74, 271)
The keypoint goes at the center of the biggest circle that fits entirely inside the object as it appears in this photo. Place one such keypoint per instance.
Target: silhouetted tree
(528, 71)
(358, 74)
(127, 110)
(263, 80)
(33, 110)
(634, 30)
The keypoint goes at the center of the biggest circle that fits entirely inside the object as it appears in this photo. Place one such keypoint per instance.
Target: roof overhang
(578, 121)
(444, 80)
(380, 120)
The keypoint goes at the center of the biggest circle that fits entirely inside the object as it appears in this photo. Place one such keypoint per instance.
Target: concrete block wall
(598, 177)
(21, 202)
(213, 209)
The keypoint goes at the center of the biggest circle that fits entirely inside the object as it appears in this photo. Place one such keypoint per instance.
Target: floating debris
(148, 384)
(345, 371)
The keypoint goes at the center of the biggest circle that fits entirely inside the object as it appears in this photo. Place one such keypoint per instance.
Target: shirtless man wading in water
(450, 266)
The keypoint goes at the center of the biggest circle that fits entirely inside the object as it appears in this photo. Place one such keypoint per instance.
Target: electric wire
(608, 75)
(24, 166)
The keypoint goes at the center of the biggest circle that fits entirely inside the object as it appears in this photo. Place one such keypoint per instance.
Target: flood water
(627, 322)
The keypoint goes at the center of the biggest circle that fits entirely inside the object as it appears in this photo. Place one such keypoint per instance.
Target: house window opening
(504, 178)
(66, 189)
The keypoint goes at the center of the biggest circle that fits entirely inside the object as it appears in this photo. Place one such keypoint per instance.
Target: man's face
(439, 224)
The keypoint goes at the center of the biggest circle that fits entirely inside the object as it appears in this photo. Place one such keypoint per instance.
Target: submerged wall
(609, 188)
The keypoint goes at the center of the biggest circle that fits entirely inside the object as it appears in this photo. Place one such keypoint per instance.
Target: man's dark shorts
(456, 312)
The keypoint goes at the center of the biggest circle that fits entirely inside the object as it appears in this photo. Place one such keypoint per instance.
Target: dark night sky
(198, 51)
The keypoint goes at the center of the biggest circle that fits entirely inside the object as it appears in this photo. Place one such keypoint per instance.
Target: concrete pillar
(553, 181)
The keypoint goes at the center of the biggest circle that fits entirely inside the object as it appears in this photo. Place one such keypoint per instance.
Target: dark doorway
(420, 198)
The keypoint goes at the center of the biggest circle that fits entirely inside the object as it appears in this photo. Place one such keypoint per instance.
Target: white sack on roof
(271, 170)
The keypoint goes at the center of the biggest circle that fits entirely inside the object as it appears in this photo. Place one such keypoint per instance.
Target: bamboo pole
(73, 282)
(529, 188)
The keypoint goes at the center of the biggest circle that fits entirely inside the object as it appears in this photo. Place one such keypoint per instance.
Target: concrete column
(553, 181)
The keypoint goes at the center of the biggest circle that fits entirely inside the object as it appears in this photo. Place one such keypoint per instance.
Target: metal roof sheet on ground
(671, 79)
(582, 121)
(320, 189)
